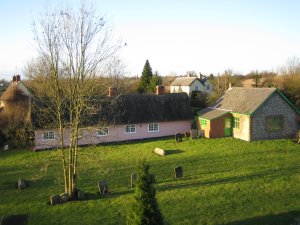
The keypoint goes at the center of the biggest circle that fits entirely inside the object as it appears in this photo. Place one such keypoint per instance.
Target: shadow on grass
(287, 218)
(188, 182)
(173, 151)
(113, 194)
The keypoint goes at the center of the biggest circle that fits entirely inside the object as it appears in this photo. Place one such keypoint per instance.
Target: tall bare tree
(73, 45)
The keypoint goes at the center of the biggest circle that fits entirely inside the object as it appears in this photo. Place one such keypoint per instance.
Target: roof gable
(185, 81)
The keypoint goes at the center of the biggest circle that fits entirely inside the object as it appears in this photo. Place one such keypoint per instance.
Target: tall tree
(146, 78)
(144, 210)
(73, 45)
(155, 80)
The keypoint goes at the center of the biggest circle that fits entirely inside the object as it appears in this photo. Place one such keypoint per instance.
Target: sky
(207, 36)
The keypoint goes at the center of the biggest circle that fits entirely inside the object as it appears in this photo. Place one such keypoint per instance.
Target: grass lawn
(226, 181)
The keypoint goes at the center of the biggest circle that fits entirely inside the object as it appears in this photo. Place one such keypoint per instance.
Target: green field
(226, 181)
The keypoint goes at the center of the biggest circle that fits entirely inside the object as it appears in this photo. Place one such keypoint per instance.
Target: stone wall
(275, 105)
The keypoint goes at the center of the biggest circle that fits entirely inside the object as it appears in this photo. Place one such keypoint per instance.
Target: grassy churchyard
(225, 181)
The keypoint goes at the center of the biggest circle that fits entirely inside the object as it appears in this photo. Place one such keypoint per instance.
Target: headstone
(81, 195)
(5, 148)
(178, 172)
(186, 135)
(133, 178)
(178, 137)
(64, 197)
(54, 199)
(160, 151)
(193, 133)
(21, 184)
(103, 188)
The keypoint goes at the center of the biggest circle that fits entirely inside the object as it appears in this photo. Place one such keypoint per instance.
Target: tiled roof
(243, 100)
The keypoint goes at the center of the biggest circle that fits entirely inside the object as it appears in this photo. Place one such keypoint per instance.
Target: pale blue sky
(176, 36)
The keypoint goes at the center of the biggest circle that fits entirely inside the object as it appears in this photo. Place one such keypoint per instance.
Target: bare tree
(73, 46)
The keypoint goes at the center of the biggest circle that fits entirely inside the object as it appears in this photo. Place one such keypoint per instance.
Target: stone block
(54, 199)
(160, 151)
(21, 184)
(178, 172)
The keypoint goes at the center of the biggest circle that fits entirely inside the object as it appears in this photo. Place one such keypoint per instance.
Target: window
(207, 87)
(236, 122)
(130, 128)
(103, 131)
(49, 135)
(274, 123)
(153, 127)
(203, 123)
(197, 88)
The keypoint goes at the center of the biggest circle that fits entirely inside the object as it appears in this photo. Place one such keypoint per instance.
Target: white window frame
(48, 135)
(130, 127)
(152, 125)
(102, 132)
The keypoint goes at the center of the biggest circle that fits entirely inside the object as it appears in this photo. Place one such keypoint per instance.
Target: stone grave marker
(103, 188)
(178, 137)
(133, 178)
(81, 195)
(178, 172)
(54, 199)
(160, 151)
(64, 197)
(193, 133)
(21, 184)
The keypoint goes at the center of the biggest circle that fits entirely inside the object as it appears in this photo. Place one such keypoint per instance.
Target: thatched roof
(212, 113)
(143, 108)
(124, 109)
(13, 94)
(243, 100)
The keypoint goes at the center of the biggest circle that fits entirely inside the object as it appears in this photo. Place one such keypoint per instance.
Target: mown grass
(226, 181)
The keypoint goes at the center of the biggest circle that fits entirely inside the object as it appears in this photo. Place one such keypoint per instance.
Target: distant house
(131, 117)
(250, 114)
(190, 84)
(15, 103)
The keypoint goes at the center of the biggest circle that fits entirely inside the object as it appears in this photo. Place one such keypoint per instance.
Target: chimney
(160, 90)
(14, 79)
(18, 78)
(112, 91)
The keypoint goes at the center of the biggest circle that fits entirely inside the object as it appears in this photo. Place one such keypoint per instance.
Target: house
(249, 114)
(130, 117)
(15, 103)
(190, 84)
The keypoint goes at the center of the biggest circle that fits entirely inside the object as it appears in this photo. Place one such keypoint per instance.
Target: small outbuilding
(250, 114)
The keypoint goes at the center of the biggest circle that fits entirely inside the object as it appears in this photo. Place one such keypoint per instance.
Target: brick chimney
(160, 90)
(14, 79)
(112, 91)
(18, 78)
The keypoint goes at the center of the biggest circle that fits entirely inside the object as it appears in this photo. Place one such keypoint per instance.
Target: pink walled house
(133, 117)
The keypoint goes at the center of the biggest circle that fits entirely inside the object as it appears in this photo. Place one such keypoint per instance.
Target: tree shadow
(112, 194)
(287, 218)
(14, 220)
(191, 182)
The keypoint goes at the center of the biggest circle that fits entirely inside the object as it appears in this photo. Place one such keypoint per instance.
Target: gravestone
(193, 133)
(21, 184)
(178, 172)
(64, 197)
(133, 178)
(160, 151)
(54, 199)
(178, 137)
(81, 195)
(5, 148)
(103, 188)
(186, 135)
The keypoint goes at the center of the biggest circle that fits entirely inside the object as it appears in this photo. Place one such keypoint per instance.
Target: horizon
(176, 37)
